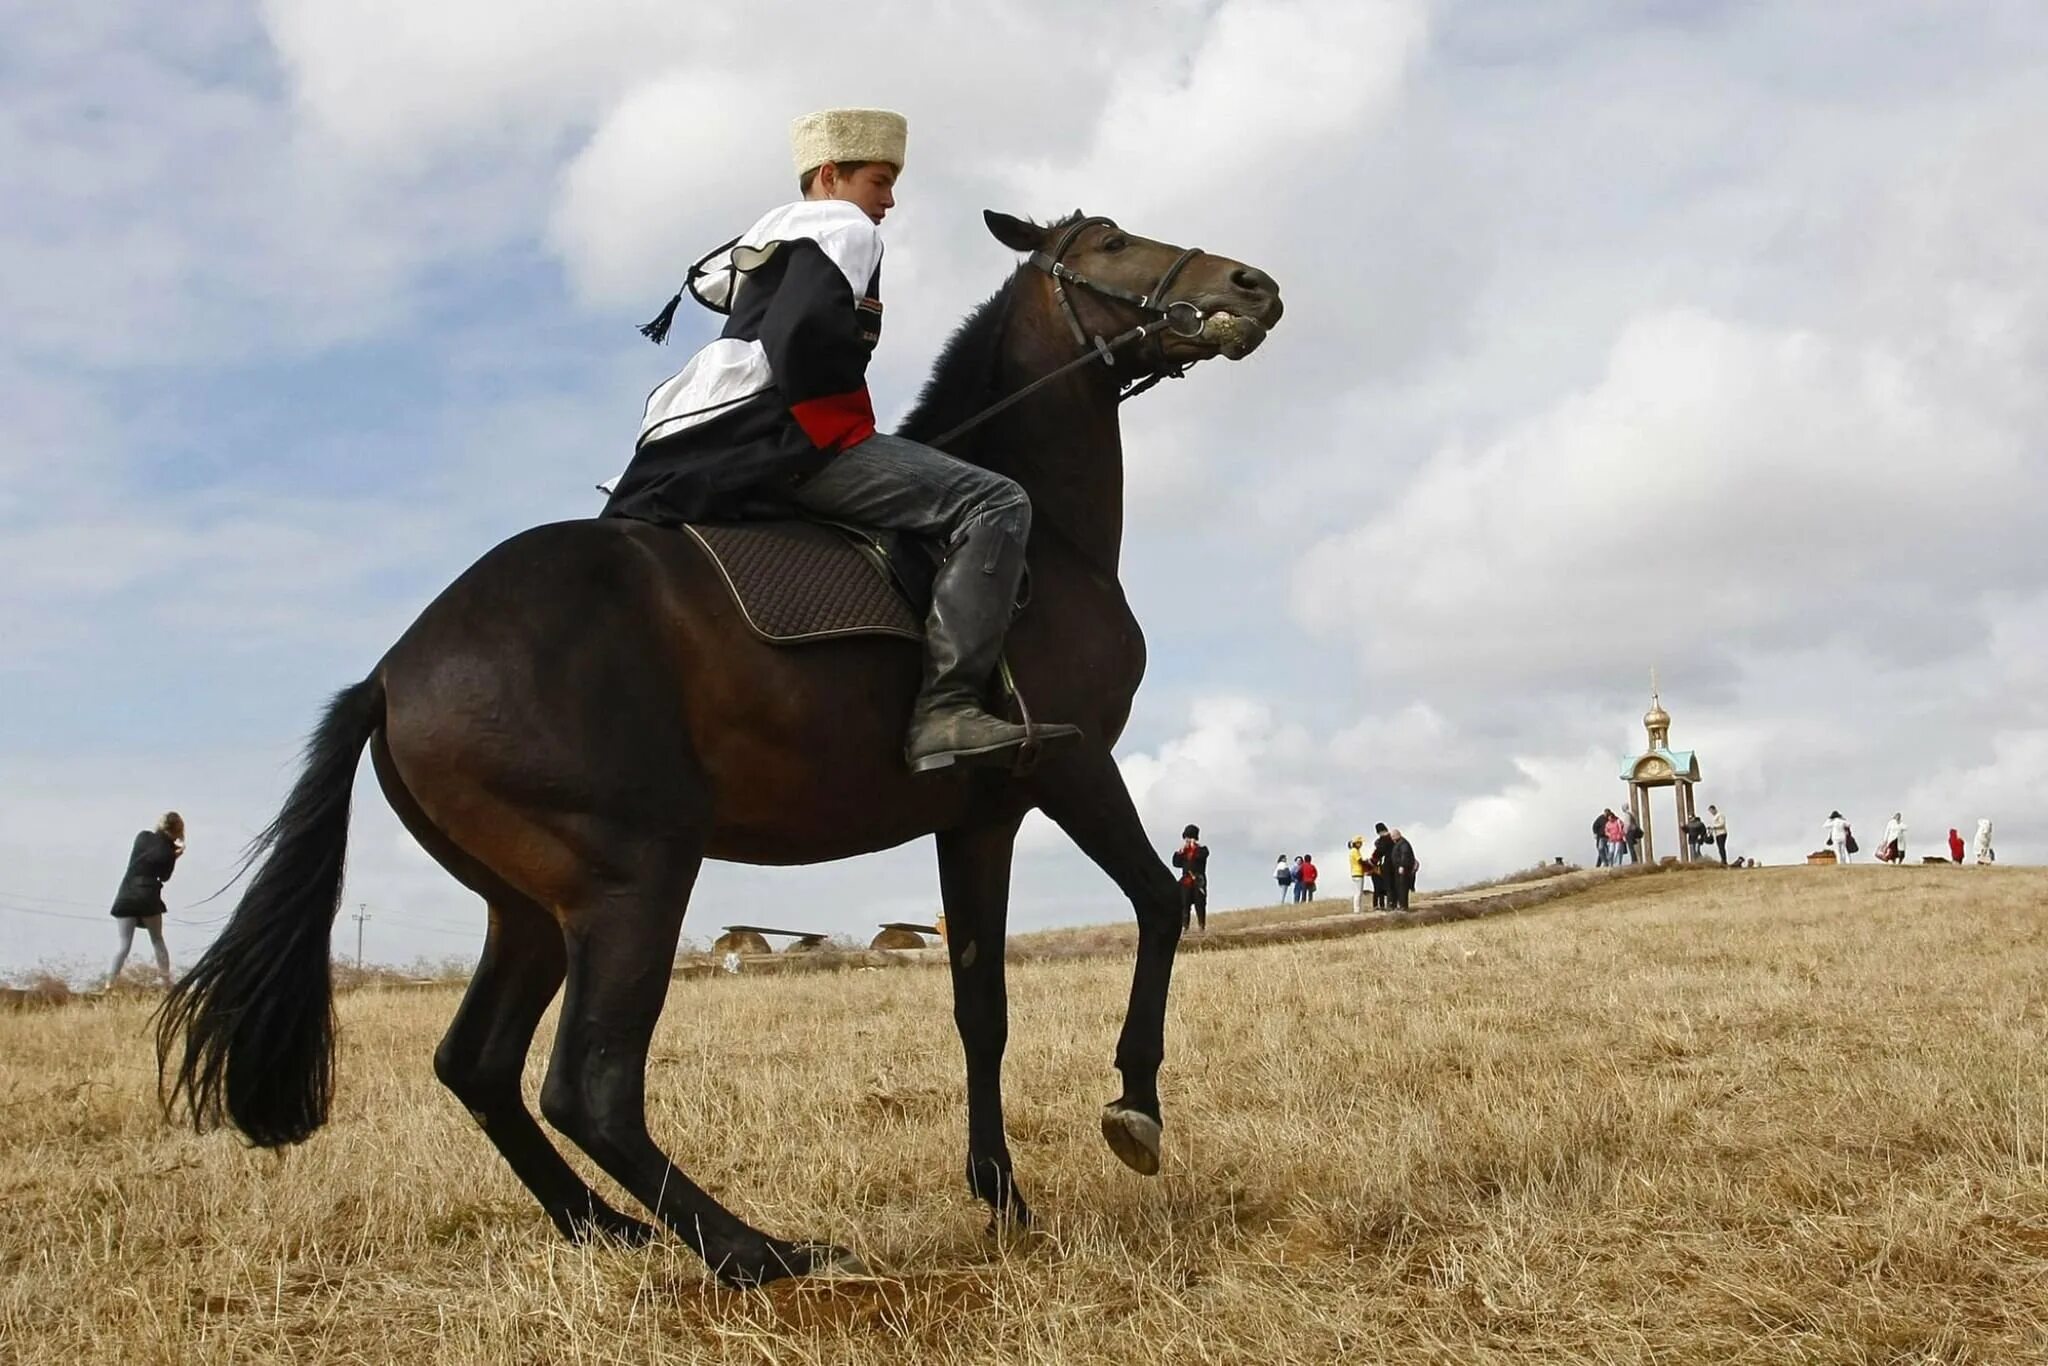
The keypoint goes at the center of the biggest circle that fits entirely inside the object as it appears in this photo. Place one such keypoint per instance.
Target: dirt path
(1237, 929)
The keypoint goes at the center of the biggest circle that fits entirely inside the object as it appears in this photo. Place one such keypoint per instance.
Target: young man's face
(871, 189)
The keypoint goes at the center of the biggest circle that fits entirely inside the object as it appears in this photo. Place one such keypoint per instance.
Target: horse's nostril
(1253, 281)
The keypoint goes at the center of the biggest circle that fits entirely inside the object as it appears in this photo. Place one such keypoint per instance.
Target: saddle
(801, 581)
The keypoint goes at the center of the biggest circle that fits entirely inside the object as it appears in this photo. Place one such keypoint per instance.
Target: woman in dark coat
(140, 902)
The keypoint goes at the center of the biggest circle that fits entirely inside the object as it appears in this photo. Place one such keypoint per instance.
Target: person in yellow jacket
(1361, 869)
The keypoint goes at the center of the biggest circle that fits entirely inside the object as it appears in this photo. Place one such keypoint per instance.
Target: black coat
(1198, 865)
(149, 868)
(743, 462)
(1400, 858)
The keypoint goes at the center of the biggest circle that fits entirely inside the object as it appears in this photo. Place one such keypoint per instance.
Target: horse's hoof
(815, 1261)
(829, 1263)
(1133, 1136)
(1008, 1221)
(612, 1227)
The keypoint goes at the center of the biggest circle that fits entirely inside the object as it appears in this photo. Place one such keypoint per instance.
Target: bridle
(1180, 317)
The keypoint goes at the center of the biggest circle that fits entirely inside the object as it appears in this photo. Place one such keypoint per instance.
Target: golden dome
(1656, 720)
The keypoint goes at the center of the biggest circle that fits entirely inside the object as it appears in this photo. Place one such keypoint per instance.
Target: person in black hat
(1382, 894)
(1192, 858)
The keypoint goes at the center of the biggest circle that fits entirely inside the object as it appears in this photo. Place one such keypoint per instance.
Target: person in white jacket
(1838, 836)
(1895, 836)
(1717, 829)
(1984, 852)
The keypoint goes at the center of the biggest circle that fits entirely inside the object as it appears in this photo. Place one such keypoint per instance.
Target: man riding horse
(581, 720)
(774, 418)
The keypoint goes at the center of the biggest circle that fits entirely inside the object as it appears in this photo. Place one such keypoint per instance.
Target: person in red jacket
(1308, 877)
(1955, 845)
(774, 418)
(1192, 859)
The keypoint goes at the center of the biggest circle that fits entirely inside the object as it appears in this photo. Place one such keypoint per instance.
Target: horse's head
(1112, 280)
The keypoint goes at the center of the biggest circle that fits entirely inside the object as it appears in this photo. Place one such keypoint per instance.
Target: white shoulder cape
(728, 370)
(845, 233)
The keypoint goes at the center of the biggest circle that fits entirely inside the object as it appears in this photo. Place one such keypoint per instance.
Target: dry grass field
(1795, 1115)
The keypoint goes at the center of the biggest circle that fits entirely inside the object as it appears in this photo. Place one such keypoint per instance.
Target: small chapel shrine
(1661, 766)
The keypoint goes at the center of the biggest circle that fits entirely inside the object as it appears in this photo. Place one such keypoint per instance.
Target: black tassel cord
(657, 331)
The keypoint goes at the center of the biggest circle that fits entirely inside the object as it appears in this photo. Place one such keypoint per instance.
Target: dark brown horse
(583, 718)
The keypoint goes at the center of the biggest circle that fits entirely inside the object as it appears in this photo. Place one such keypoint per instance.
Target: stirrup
(1028, 746)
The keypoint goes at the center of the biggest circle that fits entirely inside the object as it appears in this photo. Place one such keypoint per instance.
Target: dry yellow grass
(1786, 1116)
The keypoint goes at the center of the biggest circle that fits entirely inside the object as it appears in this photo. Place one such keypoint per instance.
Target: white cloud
(1251, 109)
(1237, 768)
(409, 83)
(1545, 813)
(1775, 454)
(657, 182)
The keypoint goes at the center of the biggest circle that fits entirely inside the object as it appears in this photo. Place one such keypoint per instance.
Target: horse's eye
(1116, 243)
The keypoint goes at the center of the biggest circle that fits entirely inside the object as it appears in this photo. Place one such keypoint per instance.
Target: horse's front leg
(1084, 793)
(974, 879)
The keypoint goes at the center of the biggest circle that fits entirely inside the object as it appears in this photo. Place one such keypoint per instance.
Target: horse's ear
(1014, 233)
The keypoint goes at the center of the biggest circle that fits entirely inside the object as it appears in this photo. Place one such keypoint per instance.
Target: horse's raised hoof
(1133, 1136)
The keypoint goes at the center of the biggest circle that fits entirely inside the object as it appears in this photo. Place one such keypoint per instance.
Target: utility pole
(362, 914)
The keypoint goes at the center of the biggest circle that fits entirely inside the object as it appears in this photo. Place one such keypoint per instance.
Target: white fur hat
(847, 135)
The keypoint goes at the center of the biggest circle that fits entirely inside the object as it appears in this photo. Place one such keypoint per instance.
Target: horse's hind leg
(484, 1052)
(621, 947)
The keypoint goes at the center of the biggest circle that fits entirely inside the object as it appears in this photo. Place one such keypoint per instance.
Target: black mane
(963, 378)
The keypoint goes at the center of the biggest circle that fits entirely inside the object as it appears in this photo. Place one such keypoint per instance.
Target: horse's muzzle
(1232, 334)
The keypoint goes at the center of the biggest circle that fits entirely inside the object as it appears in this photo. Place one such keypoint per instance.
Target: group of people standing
(1842, 840)
(1618, 839)
(1296, 877)
(1389, 864)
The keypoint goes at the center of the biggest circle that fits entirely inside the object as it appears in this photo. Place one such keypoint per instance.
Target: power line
(46, 900)
(428, 926)
(92, 905)
(52, 915)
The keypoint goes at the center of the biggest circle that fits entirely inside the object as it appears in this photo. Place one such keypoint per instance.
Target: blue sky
(1690, 335)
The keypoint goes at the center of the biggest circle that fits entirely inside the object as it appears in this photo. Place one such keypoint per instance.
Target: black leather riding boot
(973, 597)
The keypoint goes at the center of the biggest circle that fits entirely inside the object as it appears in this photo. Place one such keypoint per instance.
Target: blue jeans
(893, 484)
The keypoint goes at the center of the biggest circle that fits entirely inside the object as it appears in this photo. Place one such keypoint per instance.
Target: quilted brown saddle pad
(803, 581)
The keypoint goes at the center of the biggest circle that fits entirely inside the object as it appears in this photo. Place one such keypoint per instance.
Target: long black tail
(257, 1009)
